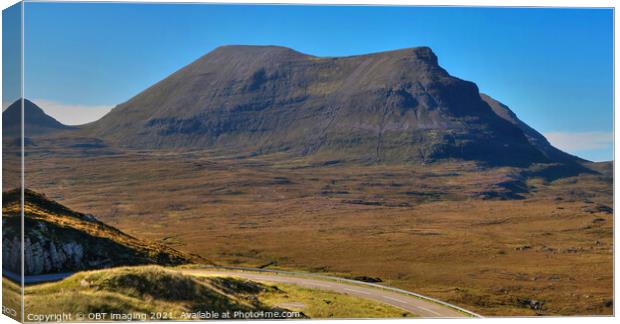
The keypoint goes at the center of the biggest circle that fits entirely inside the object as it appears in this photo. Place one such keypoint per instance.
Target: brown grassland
(429, 228)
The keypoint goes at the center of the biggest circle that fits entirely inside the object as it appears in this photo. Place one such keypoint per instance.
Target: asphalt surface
(37, 278)
(415, 305)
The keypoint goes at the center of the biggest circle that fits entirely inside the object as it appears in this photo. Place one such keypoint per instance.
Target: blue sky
(553, 67)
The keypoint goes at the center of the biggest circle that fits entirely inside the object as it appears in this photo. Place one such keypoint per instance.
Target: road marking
(396, 299)
(357, 291)
(428, 310)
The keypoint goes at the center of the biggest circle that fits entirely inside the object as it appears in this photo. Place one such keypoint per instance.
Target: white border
(486, 3)
(431, 3)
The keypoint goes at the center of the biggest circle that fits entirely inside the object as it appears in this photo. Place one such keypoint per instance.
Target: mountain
(58, 239)
(533, 136)
(396, 106)
(36, 121)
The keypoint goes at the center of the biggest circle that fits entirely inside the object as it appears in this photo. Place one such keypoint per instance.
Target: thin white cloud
(574, 142)
(70, 114)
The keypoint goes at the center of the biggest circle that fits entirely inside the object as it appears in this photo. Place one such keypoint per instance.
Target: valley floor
(441, 230)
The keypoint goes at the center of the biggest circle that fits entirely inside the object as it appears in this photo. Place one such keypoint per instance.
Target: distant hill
(396, 106)
(58, 239)
(36, 121)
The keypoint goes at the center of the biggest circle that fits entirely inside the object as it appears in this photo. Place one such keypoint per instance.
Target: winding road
(417, 304)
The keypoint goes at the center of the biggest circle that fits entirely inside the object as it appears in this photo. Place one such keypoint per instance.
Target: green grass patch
(316, 303)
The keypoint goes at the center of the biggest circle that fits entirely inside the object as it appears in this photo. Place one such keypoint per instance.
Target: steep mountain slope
(36, 121)
(396, 106)
(58, 239)
(533, 136)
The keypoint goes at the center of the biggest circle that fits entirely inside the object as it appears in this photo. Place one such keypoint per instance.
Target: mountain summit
(395, 106)
(36, 121)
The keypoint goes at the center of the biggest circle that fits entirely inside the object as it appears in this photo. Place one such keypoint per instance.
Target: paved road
(36, 279)
(416, 305)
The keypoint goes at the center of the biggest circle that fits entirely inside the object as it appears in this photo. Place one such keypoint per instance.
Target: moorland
(379, 166)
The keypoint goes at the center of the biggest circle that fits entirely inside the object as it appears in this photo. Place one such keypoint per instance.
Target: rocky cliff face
(11, 253)
(43, 255)
(58, 239)
(47, 249)
(397, 106)
(47, 257)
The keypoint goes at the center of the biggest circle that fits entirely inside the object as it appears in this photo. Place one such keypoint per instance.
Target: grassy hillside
(11, 299)
(58, 239)
(147, 289)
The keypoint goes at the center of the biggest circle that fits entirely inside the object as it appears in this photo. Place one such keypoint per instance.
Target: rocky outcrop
(58, 239)
(11, 253)
(48, 257)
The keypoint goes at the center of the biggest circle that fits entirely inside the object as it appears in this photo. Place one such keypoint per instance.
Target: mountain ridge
(394, 106)
(536, 138)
